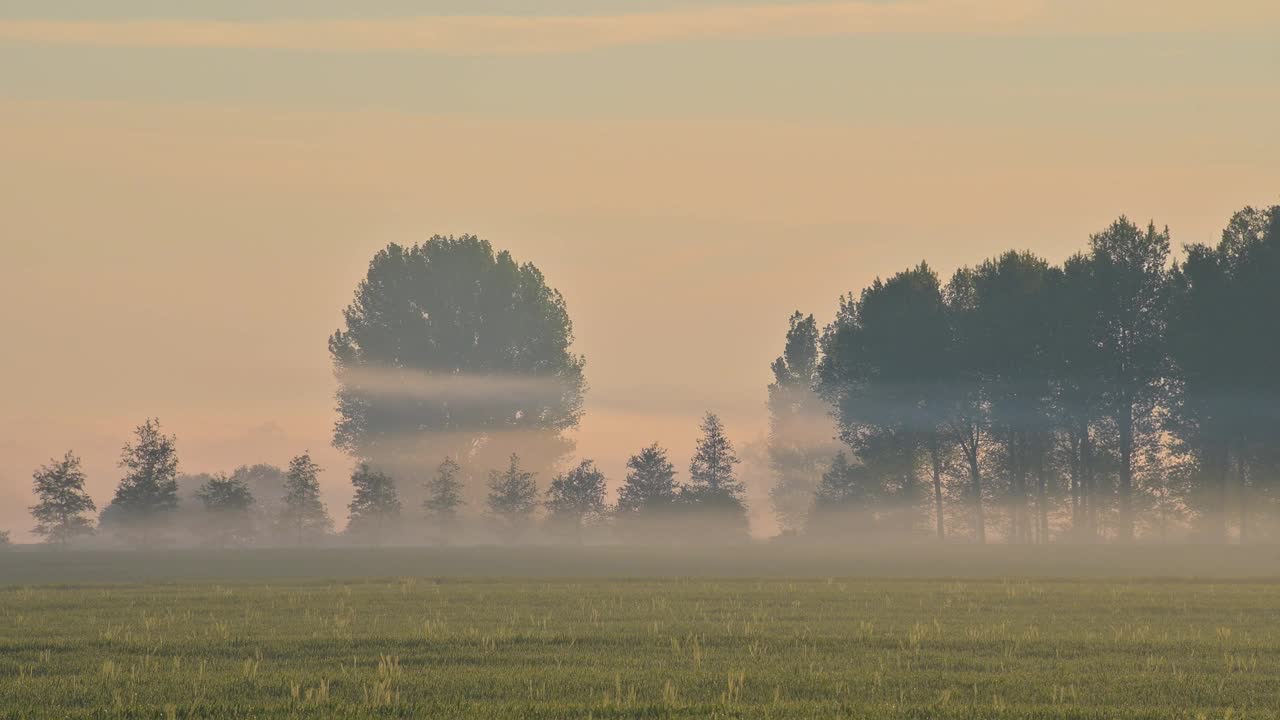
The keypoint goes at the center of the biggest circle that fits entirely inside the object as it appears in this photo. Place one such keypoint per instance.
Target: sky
(190, 192)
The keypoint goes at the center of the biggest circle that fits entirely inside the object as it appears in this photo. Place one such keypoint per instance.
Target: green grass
(541, 647)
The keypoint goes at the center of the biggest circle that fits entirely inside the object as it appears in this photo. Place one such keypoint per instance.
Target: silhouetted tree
(1222, 339)
(513, 496)
(452, 349)
(576, 496)
(714, 490)
(62, 501)
(444, 497)
(149, 489)
(1076, 367)
(375, 507)
(302, 513)
(801, 435)
(887, 371)
(1007, 329)
(1132, 288)
(647, 500)
(5, 542)
(650, 484)
(227, 502)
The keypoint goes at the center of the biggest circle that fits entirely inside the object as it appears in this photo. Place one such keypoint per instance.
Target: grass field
(545, 645)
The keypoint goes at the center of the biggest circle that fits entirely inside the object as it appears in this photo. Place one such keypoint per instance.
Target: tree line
(1121, 393)
(264, 505)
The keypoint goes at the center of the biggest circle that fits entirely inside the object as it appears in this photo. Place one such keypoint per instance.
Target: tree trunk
(1125, 531)
(935, 456)
(1018, 451)
(1088, 488)
(1075, 488)
(1042, 499)
(975, 480)
(1224, 478)
(1242, 473)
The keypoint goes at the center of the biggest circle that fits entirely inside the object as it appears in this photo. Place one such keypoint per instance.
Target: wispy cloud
(535, 35)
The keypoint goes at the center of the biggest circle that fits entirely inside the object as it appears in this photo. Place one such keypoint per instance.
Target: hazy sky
(188, 196)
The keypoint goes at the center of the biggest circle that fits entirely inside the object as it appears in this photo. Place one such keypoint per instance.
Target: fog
(1116, 397)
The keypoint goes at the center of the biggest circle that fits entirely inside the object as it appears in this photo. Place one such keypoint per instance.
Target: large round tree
(453, 350)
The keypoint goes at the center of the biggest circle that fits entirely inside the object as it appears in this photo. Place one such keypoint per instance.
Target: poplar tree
(303, 514)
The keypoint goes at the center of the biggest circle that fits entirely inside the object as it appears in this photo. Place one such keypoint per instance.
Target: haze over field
(188, 196)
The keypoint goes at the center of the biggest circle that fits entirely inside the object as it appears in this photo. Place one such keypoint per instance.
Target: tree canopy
(451, 349)
(513, 498)
(375, 505)
(302, 514)
(63, 503)
(149, 488)
(576, 496)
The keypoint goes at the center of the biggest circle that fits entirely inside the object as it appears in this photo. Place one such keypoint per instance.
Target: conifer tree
(713, 486)
(650, 485)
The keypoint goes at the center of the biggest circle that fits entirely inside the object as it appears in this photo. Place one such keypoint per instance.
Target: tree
(714, 488)
(302, 512)
(967, 424)
(647, 500)
(886, 370)
(801, 435)
(444, 497)
(1007, 337)
(1132, 288)
(63, 502)
(227, 502)
(650, 485)
(149, 489)
(1076, 367)
(843, 503)
(5, 542)
(576, 496)
(450, 349)
(513, 496)
(267, 484)
(1222, 342)
(375, 507)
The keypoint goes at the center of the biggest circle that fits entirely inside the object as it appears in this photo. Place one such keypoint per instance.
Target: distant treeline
(1123, 394)
(265, 505)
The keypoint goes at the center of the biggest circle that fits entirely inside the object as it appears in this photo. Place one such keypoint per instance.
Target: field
(184, 636)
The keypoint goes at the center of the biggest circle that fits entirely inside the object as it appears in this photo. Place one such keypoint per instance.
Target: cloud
(542, 35)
